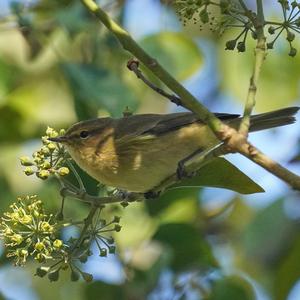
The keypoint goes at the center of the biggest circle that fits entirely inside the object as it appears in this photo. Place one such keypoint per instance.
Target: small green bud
(293, 52)
(87, 277)
(103, 252)
(43, 174)
(7, 231)
(54, 275)
(51, 146)
(204, 17)
(17, 239)
(117, 227)
(75, 276)
(63, 171)
(271, 29)
(26, 161)
(24, 253)
(28, 171)
(124, 204)
(57, 243)
(46, 227)
(290, 36)
(241, 47)
(50, 132)
(39, 246)
(116, 219)
(112, 249)
(45, 150)
(294, 4)
(42, 271)
(230, 45)
(46, 165)
(38, 160)
(62, 132)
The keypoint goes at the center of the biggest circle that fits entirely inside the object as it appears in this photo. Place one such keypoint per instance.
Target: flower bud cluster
(48, 160)
(28, 232)
(233, 15)
(289, 26)
(100, 232)
(198, 10)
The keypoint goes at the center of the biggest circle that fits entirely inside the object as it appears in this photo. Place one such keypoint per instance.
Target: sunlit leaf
(221, 173)
(288, 272)
(169, 48)
(171, 196)
(279, 81)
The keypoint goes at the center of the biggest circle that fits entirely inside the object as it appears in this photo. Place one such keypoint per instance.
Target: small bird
(136, 153)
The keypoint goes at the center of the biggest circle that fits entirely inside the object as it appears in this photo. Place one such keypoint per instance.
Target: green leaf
(288, 273)
(95, 88)
(279, 70)
(221, 173)
(170, 197)
(99, 290)
(269, 235)
(169, 48)
(232, 288)
(188, 247)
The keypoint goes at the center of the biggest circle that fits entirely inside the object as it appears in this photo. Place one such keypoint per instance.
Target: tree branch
(273, 167)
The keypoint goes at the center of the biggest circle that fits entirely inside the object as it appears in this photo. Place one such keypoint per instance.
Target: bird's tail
(274, 118)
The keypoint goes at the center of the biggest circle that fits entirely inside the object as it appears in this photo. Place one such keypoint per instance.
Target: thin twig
(87, 222)
(260, 54)
(133, 65)
(78, 178)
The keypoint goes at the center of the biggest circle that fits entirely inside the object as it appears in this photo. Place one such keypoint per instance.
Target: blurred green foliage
(66, 67)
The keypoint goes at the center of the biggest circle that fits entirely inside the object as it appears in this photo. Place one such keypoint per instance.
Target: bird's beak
(59, 139)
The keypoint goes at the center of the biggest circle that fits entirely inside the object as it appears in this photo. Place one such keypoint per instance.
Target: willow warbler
(138, 152)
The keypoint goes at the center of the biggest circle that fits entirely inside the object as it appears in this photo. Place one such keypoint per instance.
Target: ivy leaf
(231, 287)
(220, 173)
(187, 246)
(161, 46)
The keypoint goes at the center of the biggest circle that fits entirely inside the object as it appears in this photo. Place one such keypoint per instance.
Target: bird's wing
(155, 124)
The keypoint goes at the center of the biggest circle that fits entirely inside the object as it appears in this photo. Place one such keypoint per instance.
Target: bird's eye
(84, 134)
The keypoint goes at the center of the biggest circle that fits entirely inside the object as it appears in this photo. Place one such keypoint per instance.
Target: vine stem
(87, 223)
(260, 55)
(234, 141)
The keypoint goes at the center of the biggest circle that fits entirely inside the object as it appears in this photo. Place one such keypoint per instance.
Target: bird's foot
(182, 173)
(151, 195)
